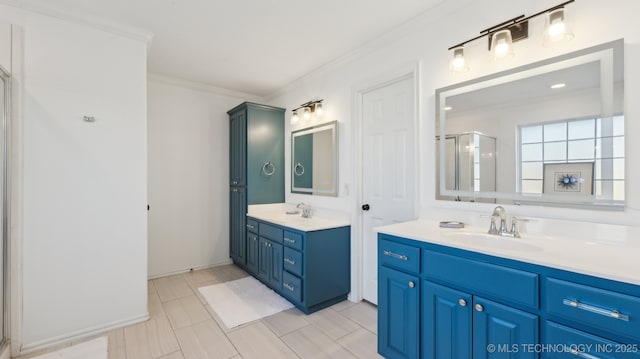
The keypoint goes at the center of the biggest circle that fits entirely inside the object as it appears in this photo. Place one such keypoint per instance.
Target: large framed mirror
(314, 160)
(548, 133)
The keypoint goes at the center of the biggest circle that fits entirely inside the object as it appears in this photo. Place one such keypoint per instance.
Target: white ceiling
(251, 46)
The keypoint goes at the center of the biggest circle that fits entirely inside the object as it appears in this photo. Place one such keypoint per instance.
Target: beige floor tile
(230, 272)
(200, 276)
(151, 339)
(185, 311)
(311, 342)
(362, 343)
(365, 314)
(332, 323)
(44, 351)
(287, 321)
(257, 341)
(175, 355)
(174, 287)
(204, 340)
(155, 305)
(345, 304)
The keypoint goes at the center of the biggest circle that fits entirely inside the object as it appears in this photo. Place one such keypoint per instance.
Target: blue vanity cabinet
(270, 254)
(311, 269)
(252, 246)
(474, 305)
(256, 167)
(317, 270)
(447, 318)
(398, 313)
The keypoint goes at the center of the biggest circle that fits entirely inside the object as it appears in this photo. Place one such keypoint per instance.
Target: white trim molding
(82, 19)
(200, 86)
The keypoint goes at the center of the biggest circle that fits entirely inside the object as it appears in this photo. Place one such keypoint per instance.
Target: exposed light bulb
(558, 85)
(295, 118)
(556, 27)
(458, 63)
(306, 113)
(501, 44)
(318, 110)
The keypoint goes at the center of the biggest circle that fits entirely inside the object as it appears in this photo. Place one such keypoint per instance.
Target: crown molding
(81, 18)
(204, 87)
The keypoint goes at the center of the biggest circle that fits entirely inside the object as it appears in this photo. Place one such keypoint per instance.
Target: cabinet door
(253, 257)
(275, 270)
(500, 331)
(237, 225)
(264, 259)
(446, 317)
(238, 148)
(398, 314)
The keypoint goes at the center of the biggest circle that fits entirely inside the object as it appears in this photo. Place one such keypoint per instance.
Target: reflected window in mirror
(599, 141)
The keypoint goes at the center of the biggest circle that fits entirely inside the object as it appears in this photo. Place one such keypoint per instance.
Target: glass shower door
(4, 223)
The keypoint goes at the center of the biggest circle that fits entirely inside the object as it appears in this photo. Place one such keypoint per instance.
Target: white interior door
(389, 168)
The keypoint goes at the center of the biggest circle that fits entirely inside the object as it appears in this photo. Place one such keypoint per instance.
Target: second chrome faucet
(501, 213)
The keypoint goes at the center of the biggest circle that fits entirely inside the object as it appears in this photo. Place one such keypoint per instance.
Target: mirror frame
(613, 52)
(333, 191)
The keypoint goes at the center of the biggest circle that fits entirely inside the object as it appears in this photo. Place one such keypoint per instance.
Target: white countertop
(611, 258)
(277, 214)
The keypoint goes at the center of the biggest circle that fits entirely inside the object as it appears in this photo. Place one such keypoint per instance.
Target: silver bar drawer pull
(250, 226)
(580, 354)
(593, 309)
(396, 255)
(286, 239)
(287, 260)
(290, 287)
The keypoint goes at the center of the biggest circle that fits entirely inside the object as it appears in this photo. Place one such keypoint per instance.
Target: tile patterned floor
(182, 326)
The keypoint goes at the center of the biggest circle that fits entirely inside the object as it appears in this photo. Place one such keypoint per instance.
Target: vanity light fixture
(309, 109)
(503, 35)
(458, 62)
(558, 85)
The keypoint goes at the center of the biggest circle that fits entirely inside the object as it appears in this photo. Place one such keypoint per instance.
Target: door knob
(479, 307)
(411, 284)
(365, 207)
(462, 302)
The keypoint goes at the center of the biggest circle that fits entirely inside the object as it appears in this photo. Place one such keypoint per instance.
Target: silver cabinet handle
(289, 287)
(396, 255)
(580, 354)
(462, 302)
(286, 239)
(411, 284)
(298, 169)
(479, 307)
(250, 226)
(287, 260)
(593, 309)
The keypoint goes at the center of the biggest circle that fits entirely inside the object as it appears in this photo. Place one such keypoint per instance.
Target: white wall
(188, 177)
(424, 41)
(5, 46)
(84, 220)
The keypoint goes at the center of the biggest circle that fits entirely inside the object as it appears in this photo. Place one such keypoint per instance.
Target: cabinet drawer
(399, 256)
(292, 287)
(571, 340)
(272, 232)
(292, 261)
(293, 240)
(483, 278)
(600, 308)
(252, 225)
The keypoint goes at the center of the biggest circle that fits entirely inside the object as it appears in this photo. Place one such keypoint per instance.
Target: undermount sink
(492, 241)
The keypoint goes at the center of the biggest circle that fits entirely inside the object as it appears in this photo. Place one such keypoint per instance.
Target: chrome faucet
(306, 210)
(500, 212)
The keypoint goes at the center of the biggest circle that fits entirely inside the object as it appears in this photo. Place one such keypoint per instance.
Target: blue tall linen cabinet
(256, 167)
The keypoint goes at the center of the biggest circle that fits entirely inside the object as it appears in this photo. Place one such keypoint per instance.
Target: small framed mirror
(314, 160)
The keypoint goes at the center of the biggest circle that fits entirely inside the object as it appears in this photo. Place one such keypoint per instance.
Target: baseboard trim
(81, 334)
(186, 270)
